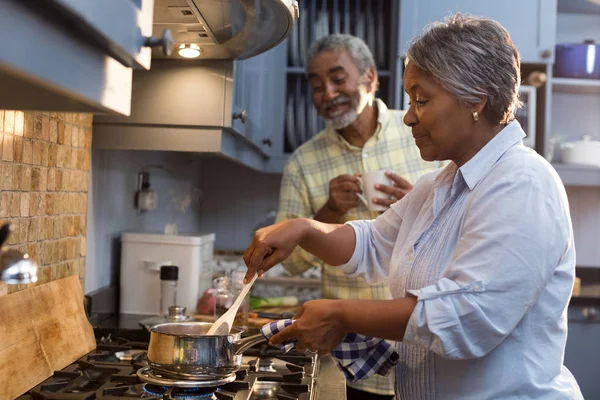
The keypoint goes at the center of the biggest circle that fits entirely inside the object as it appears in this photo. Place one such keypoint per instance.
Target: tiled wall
(44, 171)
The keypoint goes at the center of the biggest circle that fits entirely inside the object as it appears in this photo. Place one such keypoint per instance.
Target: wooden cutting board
(42, 329)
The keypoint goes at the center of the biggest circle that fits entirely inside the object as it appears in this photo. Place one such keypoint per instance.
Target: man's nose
(331, 92)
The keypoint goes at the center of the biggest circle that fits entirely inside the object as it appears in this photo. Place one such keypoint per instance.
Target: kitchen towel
(357, 356)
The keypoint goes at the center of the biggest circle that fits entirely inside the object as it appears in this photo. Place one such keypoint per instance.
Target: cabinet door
(258, 92)
(266, 93)
(531, 23)
(120, 26)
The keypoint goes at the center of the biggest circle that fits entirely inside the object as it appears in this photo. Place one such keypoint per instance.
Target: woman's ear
(478, 107)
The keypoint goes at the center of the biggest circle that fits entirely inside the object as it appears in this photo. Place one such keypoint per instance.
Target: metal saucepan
(183, 350)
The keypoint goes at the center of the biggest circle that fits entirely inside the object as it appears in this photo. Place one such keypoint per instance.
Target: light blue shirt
(488, 251)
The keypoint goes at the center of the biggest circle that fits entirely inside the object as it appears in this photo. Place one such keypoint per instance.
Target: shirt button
(365, 156)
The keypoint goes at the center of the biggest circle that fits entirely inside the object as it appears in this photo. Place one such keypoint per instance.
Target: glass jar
(222, 299)
(228, 288)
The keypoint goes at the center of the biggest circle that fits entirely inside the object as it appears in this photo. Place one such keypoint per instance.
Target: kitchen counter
(589, 292)
(331, 384)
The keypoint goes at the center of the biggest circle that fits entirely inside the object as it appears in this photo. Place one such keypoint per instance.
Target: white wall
(198, 193)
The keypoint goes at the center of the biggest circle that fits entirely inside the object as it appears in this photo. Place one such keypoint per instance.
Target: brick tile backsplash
(44, 172)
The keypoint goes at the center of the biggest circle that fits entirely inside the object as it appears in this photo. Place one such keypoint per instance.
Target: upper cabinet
(531, 23)
(79, 55)
(215, 106)
(259, 85)
(72, 55)
(123, 28)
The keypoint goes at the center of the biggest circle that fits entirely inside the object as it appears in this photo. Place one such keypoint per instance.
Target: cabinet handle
(589, 313)
(267, 142)
(242, 116)
(546, 53)
(165, 41)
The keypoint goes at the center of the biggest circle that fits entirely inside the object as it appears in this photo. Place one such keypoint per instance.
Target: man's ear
(372, 80)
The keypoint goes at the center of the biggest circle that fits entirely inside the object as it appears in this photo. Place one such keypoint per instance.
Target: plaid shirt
(357, 356)
(305, 189)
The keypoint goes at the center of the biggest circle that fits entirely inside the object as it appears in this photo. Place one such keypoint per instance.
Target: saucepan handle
(248, 342)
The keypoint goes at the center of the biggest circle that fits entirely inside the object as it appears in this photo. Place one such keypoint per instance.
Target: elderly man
(320, 180)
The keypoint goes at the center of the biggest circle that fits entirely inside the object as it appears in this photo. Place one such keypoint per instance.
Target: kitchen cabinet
(121, 27)
(212, 106)
(582, 354)
(531, 23)
(258, 87)
(72, 55)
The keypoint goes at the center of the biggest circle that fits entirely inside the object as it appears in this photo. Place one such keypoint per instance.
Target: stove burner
(180, 393)
(147, 375)
(263, 364)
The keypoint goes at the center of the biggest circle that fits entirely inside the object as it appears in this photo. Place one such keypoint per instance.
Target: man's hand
(397, 191)
(342, 198)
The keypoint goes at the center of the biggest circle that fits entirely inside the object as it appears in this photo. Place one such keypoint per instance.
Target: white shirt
(488, 251)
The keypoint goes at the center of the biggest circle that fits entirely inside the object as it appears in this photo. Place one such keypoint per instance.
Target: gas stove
(118, 369)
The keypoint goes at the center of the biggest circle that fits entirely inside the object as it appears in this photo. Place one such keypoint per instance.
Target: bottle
(168, 288)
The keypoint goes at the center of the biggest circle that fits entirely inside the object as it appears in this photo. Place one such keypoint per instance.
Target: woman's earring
(475, 116)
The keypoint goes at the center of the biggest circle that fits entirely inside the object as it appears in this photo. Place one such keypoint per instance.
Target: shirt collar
(382, 117)
(478, 166)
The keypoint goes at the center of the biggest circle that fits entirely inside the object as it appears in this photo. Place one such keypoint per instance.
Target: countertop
(589, 295)
(330, 384)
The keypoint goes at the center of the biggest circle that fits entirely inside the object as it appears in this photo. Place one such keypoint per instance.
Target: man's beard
(341, 121)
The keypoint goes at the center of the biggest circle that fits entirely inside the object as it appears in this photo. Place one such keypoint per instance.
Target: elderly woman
(479, 255)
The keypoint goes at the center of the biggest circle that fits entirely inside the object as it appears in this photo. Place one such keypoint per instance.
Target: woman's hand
(271, 245)
(318, 327)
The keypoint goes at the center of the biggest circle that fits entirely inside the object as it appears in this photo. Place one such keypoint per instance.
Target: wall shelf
(573, 85)
(578, 175)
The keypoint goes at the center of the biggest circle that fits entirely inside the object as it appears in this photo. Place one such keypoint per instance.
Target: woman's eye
(317, 89)
(419, 103)
(339, 81)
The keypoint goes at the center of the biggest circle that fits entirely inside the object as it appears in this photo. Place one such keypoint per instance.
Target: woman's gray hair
(356, 48)
(472, 57)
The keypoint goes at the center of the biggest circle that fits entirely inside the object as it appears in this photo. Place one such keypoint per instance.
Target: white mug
(368, 180)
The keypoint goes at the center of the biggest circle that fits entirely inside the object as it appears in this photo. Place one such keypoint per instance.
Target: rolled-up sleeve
(514, 235)
(375, 241)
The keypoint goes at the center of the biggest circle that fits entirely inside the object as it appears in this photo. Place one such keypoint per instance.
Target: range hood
(224, 29)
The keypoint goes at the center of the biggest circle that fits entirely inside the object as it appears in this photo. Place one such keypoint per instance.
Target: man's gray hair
(356, 48)
(472, 57)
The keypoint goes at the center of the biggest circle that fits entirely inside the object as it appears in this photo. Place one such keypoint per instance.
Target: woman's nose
(410, 118)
